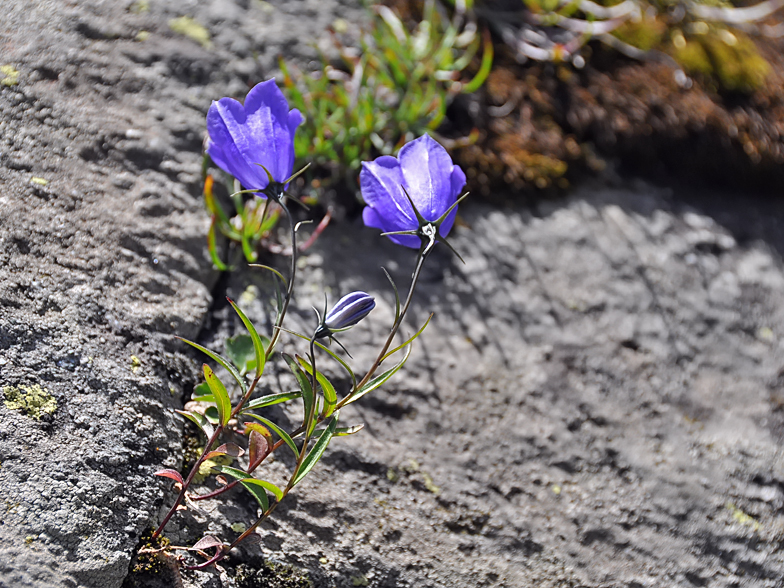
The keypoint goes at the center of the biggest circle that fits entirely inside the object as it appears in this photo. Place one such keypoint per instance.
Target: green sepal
(258, 347)
(199, 420)
(225, 363)
(318, 450)
(222, 401)
(281, 433)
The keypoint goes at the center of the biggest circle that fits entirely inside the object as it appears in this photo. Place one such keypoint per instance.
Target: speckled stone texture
(598, 401)
(102, 258)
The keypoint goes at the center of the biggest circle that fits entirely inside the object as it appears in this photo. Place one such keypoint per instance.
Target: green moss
(185, 25)
(33, 401)
(729, 59)
(271, 575)
(645, 34)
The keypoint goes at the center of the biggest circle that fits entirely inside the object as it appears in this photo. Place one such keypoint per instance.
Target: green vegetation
(394, 87)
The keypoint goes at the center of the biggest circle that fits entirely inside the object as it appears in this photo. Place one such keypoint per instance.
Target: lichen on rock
(34, 401)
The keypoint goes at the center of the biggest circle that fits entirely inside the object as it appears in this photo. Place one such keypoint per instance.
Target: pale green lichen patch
(185, 25)
(8, 75)
(741, 517)
(33, 401)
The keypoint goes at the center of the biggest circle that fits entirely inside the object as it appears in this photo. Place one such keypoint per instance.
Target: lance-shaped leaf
(258, 449)
(230, 449)
(344, 431)
(206, 542)
(199, 420)
(241, 352)
(281, 433)
(379, 380)
(222, 361)
(302, 380)
(243, 477)
(257, 344)
(222, 402)
(212, 247)
(271, 399)
(410, 339)
(330, 396)
(173, 474)
(318, 450)
(331, 353)
(202, 393)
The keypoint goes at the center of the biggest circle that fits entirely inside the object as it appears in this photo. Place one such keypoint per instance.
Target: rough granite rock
(598, 401)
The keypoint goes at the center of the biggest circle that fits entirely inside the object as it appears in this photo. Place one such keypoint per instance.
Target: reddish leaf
(258, 448)
(173, 474)
(229, 449)
(206, 542)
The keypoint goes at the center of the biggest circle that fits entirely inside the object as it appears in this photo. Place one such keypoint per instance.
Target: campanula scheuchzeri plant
(414, 199)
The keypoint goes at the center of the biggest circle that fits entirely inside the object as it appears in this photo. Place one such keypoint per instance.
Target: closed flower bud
(349, 310)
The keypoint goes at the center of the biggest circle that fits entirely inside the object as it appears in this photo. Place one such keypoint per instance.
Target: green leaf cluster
(395, 86)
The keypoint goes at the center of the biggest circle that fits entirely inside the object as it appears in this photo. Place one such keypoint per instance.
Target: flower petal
(224, 125)
(426, 168)
(381, 184)
(268, 124)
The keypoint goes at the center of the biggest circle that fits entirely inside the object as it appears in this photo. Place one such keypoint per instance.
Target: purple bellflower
(254, 142)
(412, 198)
(349, 310)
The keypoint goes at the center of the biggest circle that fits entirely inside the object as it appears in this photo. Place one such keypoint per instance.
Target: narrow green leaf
(330, 395)
(379, 380)
(241, 352)
(222, 401)
(397, 295)
(331, 353)
(277, 492)
(345, 431)
(270, 399)
(318, 450)
(243, 476)
(281, 433)
(225, 363)
(200, 421)
(257, 345)
(303, 381)
(212, 247)
(259, 493)
(202, 393)
(417, 334)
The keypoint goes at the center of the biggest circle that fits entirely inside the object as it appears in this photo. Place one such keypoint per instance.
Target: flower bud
(349, 310)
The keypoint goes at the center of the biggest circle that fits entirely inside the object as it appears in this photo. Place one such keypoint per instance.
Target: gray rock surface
(102, 257)
(598, 401)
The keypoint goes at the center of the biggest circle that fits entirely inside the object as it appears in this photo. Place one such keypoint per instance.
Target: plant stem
(423, 253)
(252, 387)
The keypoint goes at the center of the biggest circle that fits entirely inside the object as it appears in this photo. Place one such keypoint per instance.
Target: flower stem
(251, 388)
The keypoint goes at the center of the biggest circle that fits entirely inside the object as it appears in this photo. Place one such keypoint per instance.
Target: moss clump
(271, 575)
(33, 401)
(645, 34)
(729, 59)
